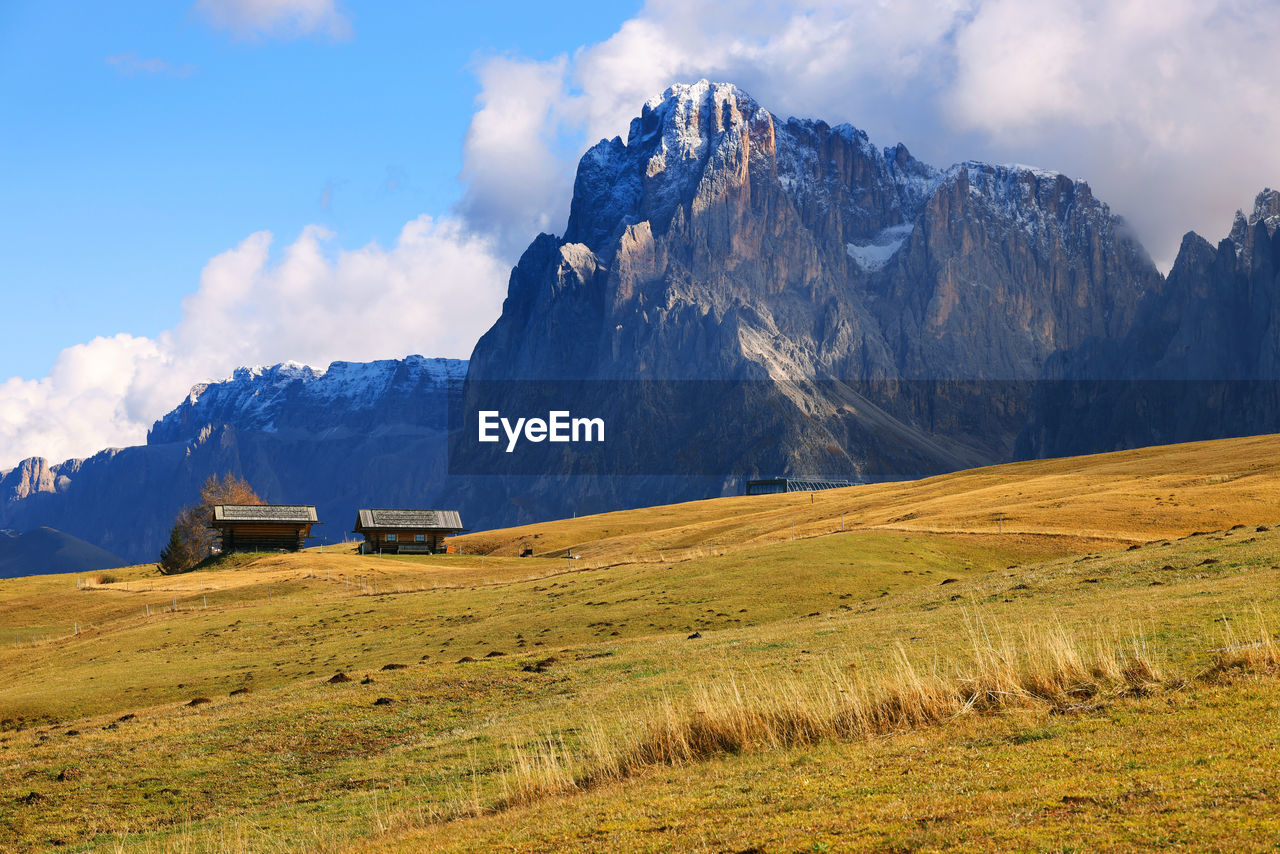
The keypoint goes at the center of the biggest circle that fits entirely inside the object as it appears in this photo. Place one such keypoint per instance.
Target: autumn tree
(191, 538)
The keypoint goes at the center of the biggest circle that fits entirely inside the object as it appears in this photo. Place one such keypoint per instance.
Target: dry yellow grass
(829, 657)
(1123, 497)
(1255, 651)
(1044, 668)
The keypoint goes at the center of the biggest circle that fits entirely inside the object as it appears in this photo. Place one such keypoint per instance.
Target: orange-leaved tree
(191, 537)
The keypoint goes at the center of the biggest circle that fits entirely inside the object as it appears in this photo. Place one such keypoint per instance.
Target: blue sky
(121, 182)
(195, 185)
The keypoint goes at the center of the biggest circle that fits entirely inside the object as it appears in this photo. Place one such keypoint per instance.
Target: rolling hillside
(489, 702)
(44, 551)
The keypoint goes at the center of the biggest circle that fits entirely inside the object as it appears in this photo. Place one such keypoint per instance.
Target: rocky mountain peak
(858, 312)
(658, 169)
(1259, 226)
(1266, 208)
(30, 477)
(688, 115)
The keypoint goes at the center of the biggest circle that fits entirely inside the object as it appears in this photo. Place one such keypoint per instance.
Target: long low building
(263, 527)
(774, 485)
(406, 531)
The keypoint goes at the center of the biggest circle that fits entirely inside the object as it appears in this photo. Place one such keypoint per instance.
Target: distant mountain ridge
(1202, 361)
(870, 315)
(355, 433)
(291, 398)
(44, 551)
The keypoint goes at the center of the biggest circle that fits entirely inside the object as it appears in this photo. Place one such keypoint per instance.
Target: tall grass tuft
(1256, 651)
(1044, 669)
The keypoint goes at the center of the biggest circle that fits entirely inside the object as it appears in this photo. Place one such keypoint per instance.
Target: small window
(421, 538)
(391, 538)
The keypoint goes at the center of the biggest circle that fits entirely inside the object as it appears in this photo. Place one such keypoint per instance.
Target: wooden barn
(406, 531)
(263, 527)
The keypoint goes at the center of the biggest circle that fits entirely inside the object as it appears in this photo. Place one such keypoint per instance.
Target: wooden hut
(406, 531)
(263, 527)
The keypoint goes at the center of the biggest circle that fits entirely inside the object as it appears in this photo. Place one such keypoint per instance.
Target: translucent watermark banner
(855, 430)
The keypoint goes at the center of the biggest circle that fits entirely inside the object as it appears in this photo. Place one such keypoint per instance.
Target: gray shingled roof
(289, 513)
(439, 520)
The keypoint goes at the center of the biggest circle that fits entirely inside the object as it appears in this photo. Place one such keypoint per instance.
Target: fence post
(148, 607)
(175, 603)
(206, 600)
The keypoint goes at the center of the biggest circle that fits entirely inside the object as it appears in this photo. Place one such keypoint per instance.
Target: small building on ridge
(775, 485)
(406, 531)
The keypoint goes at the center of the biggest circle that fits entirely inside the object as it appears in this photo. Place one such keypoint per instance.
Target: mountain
(1201, 361)
(736, 294)
(355, 434)
(721, 242)
(849, 309)
(44, 551)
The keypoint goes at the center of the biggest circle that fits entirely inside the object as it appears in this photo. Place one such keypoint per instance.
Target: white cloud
(284, 19)
(1167, 108)
(80, 405)
(129, 63)
(434, 292)
(517, 183)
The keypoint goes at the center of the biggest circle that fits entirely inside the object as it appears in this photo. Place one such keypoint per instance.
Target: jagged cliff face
(720, 242)
(1221, 314)
(1200, 361)
(370, 434)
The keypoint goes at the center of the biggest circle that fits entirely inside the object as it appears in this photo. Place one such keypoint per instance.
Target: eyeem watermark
(558, 426)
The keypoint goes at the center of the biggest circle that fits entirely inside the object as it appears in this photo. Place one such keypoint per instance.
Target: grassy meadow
(1057, 655)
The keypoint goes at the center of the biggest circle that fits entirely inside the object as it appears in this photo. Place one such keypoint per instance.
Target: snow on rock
(875, 253)
(257, 398)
